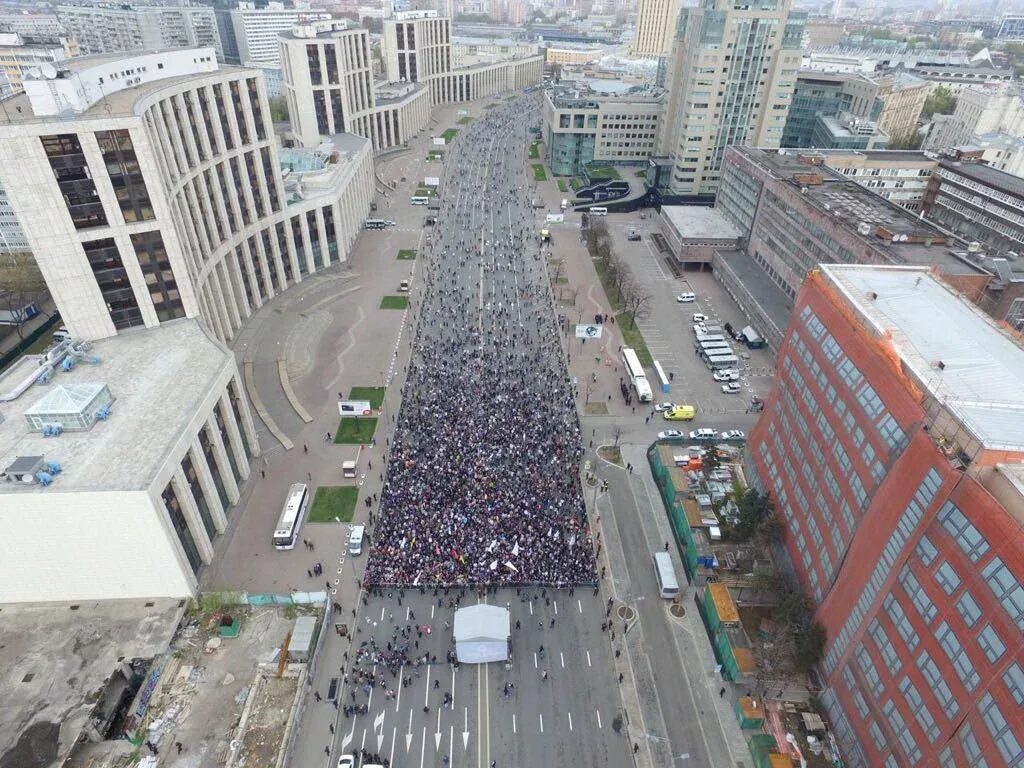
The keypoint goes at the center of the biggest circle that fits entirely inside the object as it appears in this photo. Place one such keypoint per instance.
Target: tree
(278, 109)
(939, 102)
(21, 284)
(636, 301)
(754, 508)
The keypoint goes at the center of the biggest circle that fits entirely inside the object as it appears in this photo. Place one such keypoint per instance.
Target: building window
(180, 526)
(156, 268)
(192, 478)
(958, 657)
(947, 577)
(125, 175)
(1014, 679)
(926, 550)
(939, 688)
(968, 608)
(112, 280)
(74, 179)
(916, 705)
(917, 595)
(1007, 590)
(972, 750)
(206, 443)
(903, 734)
(967, 536)
(990, 643)
(1000, 731)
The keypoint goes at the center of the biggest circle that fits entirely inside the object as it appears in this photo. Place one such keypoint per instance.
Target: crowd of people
(482, 483)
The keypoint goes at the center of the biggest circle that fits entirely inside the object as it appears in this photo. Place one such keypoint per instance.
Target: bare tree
(21, 284)
(617, 434)
(636, 301)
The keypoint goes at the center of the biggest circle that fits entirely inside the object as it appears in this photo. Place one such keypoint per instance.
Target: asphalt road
(486, 309)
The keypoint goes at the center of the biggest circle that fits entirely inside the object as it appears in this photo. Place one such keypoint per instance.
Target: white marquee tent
(482, 634)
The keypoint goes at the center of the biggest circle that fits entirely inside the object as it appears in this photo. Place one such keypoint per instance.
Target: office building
(979, 204)
(329, 88)
(1002, 151)
(417, 48)
(847, 131)
(655, 27)
(254, 32)
(733, 72)
(1011, 29)
(575, 56)
(902, 98)
(470, 51)
(582, 126)
(829, 94)
(12, 236)
(979, 110)
(795, 213)
(112, 29)
(151, 187)
(898, 175)
(37, 27)
(17, 56)
(892, 446)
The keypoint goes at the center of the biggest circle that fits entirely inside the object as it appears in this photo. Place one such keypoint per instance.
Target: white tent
(481, 634)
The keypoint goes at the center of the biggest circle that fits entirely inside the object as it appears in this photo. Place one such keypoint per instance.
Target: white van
(349, 469)
(598, 211)
(355, 540)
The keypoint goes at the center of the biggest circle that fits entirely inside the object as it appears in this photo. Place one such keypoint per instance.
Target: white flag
(494, 564)
(511, 567)
(515, 550)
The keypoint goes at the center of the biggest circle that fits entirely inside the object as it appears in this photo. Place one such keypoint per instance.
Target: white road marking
(398, 698)
(562, 657)
(598, 713)
(407, 610)
(570, 720)
(382, 609)
(423, 746)
(513, 722)
(534, 659)
(541, 722)
(431, 611)
(362, 742)
(408, 735)
(465, 727)
(555, 603)
(579, 605)
(588, 659)
(453, 688)
(394, 732)
(426, 695)
(531, 607)
(437, 733)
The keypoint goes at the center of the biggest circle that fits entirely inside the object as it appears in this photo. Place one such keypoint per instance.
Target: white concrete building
(12, 236)
(255, 31)
(38, 26)
(733, 71)
(17, 56)
(417, 48)
(111, 29)
(152, 188)
(158, 439)
(655, 27)
(329, 88)
(979, 110)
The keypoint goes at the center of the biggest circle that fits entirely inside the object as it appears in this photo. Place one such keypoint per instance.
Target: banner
(588, 331)
(354, 408)
(432, 181)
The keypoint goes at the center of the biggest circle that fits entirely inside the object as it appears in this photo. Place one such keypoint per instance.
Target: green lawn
(538, 172)
(355, 431)
(448, 135)
(534, 151)
(425, 192)
(333, 503)
(562, 187)
(575, 183)
(407, 254)
(374, 394)
(633, 338)
(394, 302)
(435, 154)
(602, 173)
(464, 120)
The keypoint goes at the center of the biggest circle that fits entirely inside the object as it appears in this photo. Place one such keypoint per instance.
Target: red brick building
(893, 447)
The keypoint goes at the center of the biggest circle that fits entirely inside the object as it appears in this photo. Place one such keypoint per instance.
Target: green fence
(9, 357)
(676, 513)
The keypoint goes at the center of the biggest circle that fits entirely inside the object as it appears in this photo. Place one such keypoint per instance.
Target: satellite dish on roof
(35, 73)
(49, 71)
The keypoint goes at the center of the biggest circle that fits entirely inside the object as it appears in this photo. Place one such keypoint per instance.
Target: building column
(191, 513)
(220, 453)
(205, 476)
(247, 427)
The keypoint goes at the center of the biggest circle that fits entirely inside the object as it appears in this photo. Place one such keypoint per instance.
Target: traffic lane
(679, 730)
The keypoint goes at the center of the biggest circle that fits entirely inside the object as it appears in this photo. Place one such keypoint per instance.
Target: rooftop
(987, 175)
(700, 222)
(589, 94)
(157, 377)
(953, 350)
(55, 661)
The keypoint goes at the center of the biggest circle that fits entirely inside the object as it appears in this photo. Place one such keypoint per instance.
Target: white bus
(666, 575)
(420, 200)
(294, 511)
(716, 348)
(721, 362)
(376, 224)
(636, 374)
(598, 210)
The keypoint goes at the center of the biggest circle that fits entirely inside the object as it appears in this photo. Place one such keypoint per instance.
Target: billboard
(355, 408)
(588, 331)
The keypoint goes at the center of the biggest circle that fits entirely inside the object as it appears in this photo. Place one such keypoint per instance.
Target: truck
(545, 236)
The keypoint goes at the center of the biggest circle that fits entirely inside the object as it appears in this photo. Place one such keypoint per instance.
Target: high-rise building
(902, 96)
(826, 94)
(111, 29)
(12, 236)
(733, 72)
(37, 27)
(151, 187)
(979, 110)
(655, 27)
(417, 48)
(17, 56)
(892, 447)
(1011, 29)
(329, 88)
(254, 31)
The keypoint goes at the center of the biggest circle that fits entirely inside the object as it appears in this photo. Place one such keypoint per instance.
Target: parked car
(346, 761)
(729, 374)
(666, 406)
(679, 413)
(704, 433)
(403, 286)
(734, 434)
(686, 297)
(732, 388)
(633, 235)
(699, 318)
(670, 434)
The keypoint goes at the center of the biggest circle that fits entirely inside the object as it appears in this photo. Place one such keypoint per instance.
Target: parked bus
(722, 362)
(598, 210)
(636, 374)
(420, 200)
(294, 511)
(665, 572)
(376, 224)
(702, 337)
(707, 346)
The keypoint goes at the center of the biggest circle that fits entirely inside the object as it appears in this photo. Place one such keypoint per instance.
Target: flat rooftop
(981, 379)
(987, 175)
(157, 377)
(698, 221)
(55, 660)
